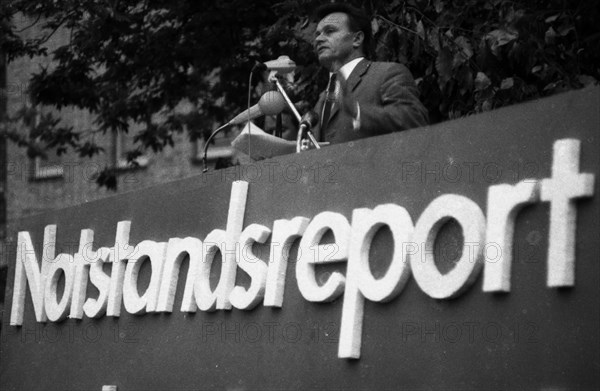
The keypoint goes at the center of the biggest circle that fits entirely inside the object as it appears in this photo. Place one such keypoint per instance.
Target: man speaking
(363, 98)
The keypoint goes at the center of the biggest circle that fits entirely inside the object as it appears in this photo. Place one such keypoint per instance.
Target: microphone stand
(305, 129)
(293, 108)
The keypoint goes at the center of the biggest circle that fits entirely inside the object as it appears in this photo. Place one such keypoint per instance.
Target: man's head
(343, 33)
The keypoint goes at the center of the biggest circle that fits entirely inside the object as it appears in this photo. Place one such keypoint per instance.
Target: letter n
(28, 271)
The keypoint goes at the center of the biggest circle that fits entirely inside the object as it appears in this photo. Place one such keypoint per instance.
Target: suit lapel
(353, 81)
(357, 74)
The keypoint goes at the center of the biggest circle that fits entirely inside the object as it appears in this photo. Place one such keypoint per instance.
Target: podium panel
(459, 256)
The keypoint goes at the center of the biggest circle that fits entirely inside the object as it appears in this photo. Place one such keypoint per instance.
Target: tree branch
(31, 25)
(59, 25)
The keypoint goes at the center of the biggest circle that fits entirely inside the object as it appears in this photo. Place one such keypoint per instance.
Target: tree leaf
(374, 26)
(434, 38)
(482, 81)
(550, 36)
(443, 65)
(507, 83)
(464, 51)
(498, 38)
(421, 30)
(565, 30)
(464, 45)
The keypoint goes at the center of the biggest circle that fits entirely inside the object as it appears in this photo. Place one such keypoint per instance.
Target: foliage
(470, 56)
(136, 62)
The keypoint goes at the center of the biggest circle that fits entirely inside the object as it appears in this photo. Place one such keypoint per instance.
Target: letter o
(450, 337)
(55, 310)
(97, 333)
(296, 178)
(365, 224)
(257, 170)
(497, 332)
(497, 170)
(297, 332)
(472, 221)
(457, 176)
(47, 337)
(257, 332)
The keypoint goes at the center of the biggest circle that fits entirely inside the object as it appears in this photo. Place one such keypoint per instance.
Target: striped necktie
(329, 101)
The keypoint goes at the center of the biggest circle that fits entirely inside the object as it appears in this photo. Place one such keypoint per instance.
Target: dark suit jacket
(388, 100)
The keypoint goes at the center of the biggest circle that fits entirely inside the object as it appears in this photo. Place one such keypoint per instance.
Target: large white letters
(413, 253)
(312, 253)
(438, 212)
(57, 310)
(177, 249)
(96, 308)
(121, 252)
(246, 299)
(504, 203)
(155, 254)
(27, 270)
(285, 232)
(561, 190)
(82, 259)
(360, 283)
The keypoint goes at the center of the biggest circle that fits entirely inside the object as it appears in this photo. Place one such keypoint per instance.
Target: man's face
(334, 42)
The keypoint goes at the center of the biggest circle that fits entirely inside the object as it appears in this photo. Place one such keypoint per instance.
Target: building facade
(31, 186)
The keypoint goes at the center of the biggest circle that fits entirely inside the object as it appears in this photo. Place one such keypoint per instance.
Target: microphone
(309, 120)
(282, 65)
(271, 103)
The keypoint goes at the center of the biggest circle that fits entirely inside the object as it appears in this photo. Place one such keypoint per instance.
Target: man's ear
(359, 37)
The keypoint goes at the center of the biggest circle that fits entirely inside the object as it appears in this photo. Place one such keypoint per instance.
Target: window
(123, 142)
(49, 167)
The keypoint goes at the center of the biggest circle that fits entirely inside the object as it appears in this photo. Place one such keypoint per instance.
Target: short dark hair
(357, 20)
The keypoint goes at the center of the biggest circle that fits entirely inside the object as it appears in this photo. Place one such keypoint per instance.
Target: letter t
(565, 185)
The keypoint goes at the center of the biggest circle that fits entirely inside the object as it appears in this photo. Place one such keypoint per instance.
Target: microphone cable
(249, 98)
(257, 66)
(207, 144)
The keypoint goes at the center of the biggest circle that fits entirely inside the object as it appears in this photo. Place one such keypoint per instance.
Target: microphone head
(271, 103)
(283, 65)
